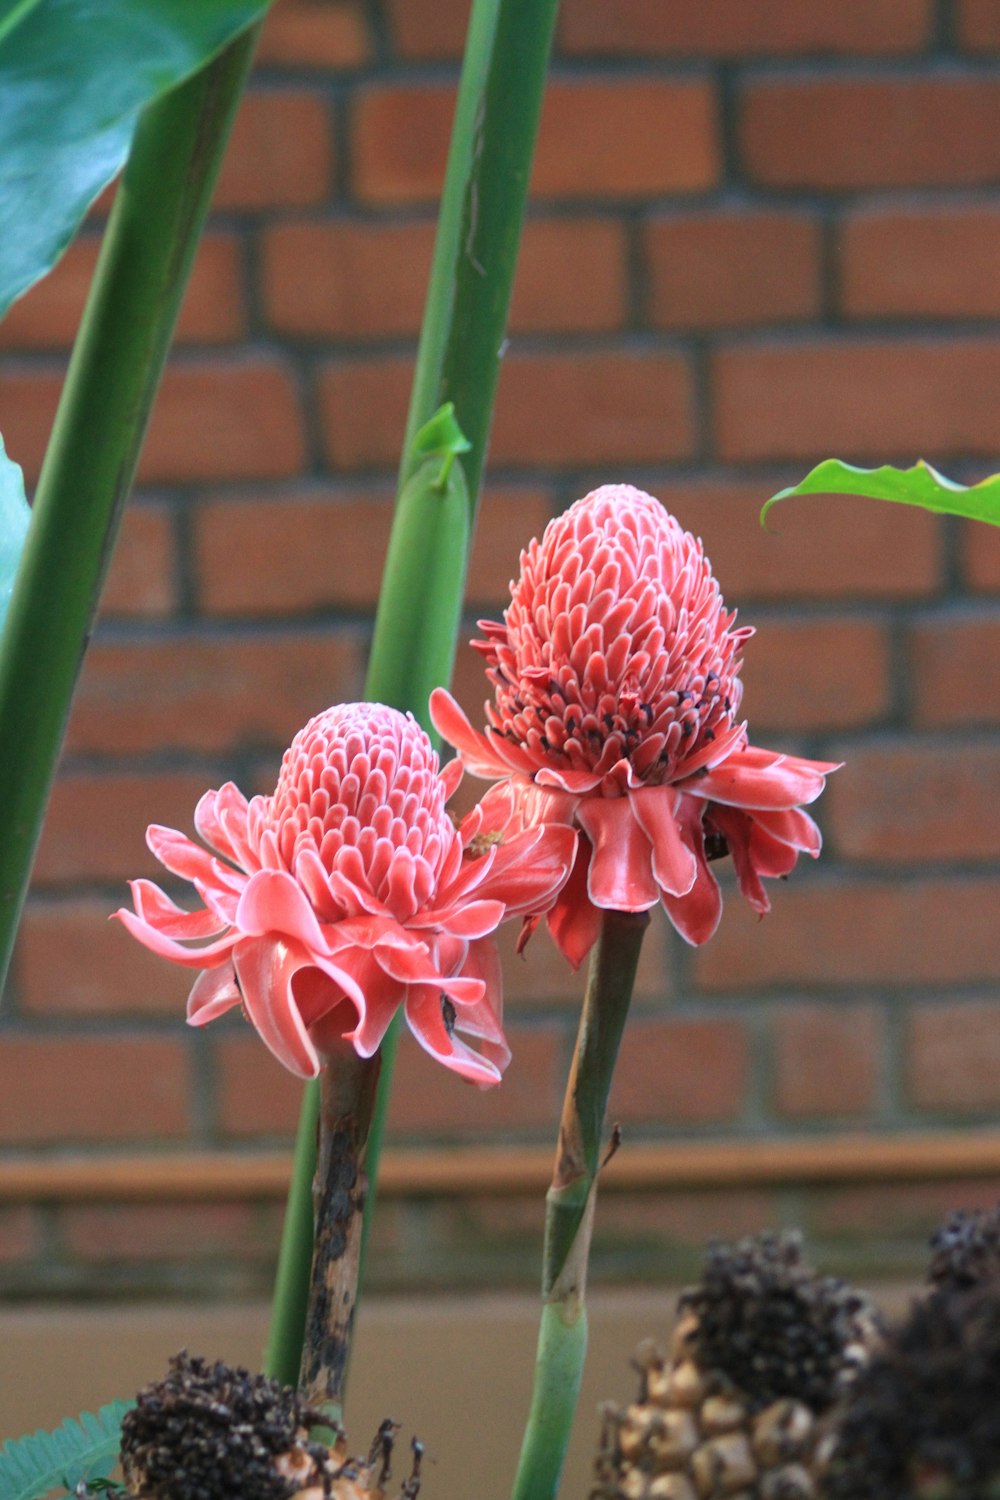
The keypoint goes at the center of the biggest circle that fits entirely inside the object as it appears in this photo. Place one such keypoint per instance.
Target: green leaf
(921, 486)
(74, 77)
(14, 516)
(83, 1448)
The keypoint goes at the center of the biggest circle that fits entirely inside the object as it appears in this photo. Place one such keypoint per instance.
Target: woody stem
(346, 1100)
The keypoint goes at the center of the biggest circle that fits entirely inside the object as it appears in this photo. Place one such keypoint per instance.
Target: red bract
(617, 693)
(348, 893)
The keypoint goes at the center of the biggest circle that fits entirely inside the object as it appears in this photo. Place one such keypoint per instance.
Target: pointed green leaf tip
(14, 516)
(921, 486)
(440, 437)
(82, 1449)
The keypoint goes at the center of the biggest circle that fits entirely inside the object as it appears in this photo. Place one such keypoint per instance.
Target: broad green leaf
(74, 77)
(14, 516)
(921, 486)
(83, 1448)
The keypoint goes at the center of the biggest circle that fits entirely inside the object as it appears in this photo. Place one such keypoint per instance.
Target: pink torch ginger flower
(348, 893)
(616, 672)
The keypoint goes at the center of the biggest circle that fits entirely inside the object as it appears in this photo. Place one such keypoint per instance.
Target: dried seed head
(921, 1421)
(771, 1324)
(215, 1432)
(965, 1251)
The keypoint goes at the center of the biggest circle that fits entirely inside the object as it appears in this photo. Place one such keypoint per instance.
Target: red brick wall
(760, 234)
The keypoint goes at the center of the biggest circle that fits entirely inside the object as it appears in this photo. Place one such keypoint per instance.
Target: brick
(872, 132)
(928, 263)
(96, 824)
(571, 277)
(955, 665)
(428, 31)
(143, 1232)
(315, 34)
(826, 932)
(898, 1208)
(428, 1098)
(81, 1088)
(72, 961)
(979, 25)
(326, 550)
(826, 1062)
(616, 139)
(359, 280)
(212, 694)
(807, 673)
(140, 580)
(689, 1218)
(253, 1094)
(816, 549)
(953, 1056)
(626, 138)
(19, 1234)
(681, 1072)
(281, 153)
(28, 399)
(869, 399)
(906, 801)
(729, 28)
(724, 269)
(980, 556)
(593, 409)
(212, 310)
(551, 409)
(224, 419)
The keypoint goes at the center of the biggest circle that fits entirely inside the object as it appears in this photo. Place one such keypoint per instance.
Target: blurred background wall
(760, 234)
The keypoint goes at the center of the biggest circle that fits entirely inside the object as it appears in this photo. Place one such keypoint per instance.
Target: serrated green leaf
(14, 517)
(81, 1449)
(74, 77)
(922, 486)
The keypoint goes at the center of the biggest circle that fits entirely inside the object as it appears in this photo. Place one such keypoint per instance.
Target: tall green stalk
(90, 463)
(569, 1206)
(458, 361)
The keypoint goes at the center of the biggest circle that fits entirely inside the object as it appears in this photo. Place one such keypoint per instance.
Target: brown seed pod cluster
(923, 1421)
(218, 1432)
(735, 1411)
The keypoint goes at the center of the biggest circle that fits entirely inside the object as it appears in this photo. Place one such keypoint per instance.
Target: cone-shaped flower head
(616, 707)
(348, 893)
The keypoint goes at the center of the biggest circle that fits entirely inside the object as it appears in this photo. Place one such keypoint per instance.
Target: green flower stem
(283, 1357)
(562, 1343)
(465, 318)
(109, 390)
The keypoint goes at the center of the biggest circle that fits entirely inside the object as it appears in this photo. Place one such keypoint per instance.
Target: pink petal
(424, 1018)
(674, 864)
(221, 820)
(573, 920)
(265, 968)
(736, 828)
(575, 782)
(473, 919)
(182, 857)
(383, 997)
(621, 869)
(272, 902)
(479, 754)
(532, 868)
(755, 778)
(156, 908)
(213, 993)
(696, 914)
(791, 826)
(189, 958)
